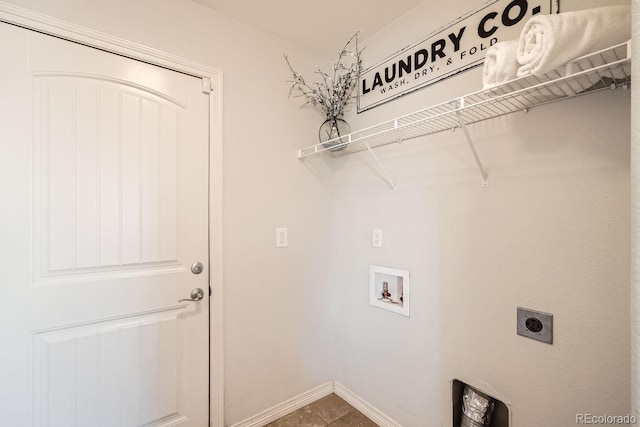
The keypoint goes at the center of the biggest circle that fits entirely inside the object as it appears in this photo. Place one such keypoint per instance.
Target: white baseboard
(373, 413)
(287, 407)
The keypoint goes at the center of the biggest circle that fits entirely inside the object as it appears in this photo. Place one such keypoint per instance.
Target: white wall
(277, 339)
(550, 233)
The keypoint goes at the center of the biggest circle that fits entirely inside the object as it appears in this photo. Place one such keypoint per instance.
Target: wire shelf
(608, 68)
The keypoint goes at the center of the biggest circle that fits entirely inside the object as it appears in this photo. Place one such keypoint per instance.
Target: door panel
(123, 371)
(106, 177)
(104, 171)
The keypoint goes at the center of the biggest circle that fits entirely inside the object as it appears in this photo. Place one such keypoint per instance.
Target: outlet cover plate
(376, 238)
(281, 237)
(535, 325)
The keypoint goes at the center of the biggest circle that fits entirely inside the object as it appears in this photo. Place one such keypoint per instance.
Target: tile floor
(331, 411)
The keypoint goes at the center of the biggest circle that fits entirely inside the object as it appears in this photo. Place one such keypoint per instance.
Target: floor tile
(303, 417)
(330, 408)
(353, 419)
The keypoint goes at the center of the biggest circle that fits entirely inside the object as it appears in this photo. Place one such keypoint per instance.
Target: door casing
(212, 84)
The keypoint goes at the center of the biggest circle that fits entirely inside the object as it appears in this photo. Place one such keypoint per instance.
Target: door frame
(212, 84)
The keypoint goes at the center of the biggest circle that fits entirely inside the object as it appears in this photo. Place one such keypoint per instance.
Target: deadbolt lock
(197, 268)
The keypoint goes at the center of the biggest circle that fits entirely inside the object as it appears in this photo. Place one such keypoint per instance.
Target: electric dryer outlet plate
(535, 325)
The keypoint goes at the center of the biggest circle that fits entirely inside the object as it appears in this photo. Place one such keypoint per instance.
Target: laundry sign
(455, 48)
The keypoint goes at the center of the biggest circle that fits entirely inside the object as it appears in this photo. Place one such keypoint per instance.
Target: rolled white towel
(548, 41)
(500, 64)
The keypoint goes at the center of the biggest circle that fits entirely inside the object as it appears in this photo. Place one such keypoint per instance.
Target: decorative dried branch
(335, 91)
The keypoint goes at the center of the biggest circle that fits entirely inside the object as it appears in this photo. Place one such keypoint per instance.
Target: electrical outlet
(376, 238)
(535, 325)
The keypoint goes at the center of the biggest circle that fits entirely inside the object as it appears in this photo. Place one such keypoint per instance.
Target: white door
(104, 207)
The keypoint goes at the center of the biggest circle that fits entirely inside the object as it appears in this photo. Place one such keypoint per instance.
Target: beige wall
(550, 233)
(635, 218)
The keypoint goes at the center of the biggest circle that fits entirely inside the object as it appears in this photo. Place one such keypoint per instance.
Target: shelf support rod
(485, 181)
(384, 172)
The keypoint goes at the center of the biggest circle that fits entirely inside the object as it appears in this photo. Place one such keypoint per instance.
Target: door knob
(197, 267)
(196, 295)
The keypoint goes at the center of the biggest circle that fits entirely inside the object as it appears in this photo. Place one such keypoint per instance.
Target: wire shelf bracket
(382, 169)
(463, 126)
